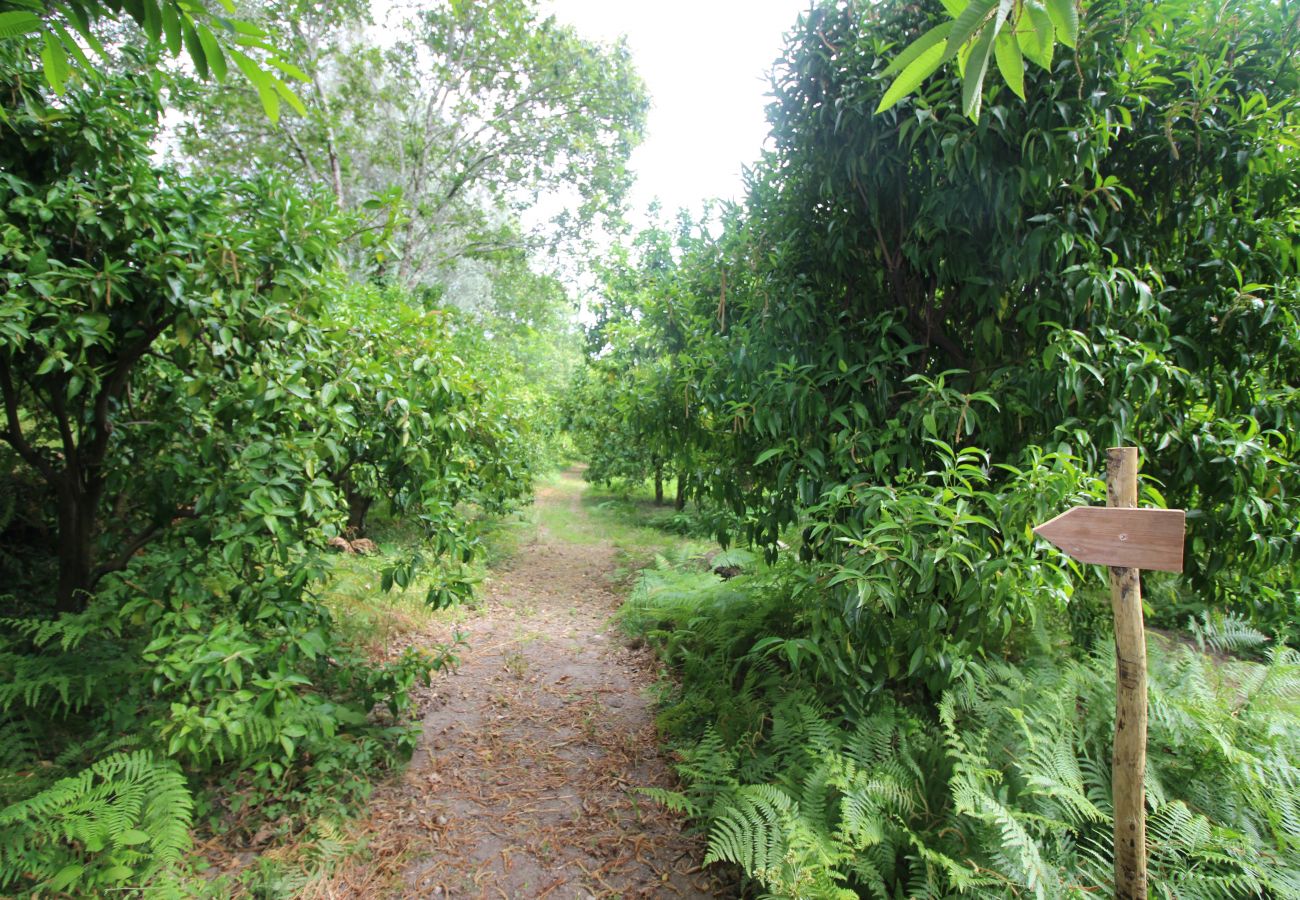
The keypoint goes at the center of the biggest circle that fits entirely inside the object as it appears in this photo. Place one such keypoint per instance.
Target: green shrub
(997, 787)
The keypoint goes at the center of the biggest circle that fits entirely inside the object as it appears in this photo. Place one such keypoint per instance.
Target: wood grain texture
(1135, 538)
(1128, 763)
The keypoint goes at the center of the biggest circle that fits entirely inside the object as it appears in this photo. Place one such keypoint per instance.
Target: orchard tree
(130, 292)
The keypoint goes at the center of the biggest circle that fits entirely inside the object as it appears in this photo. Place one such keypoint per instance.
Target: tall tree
(475, 112)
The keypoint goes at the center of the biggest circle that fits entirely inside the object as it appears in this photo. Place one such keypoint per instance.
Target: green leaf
(212, 51)
(970, 20)
(917, 47)
(132, 836)
(972, 88)
(289, 69)
(172, 28)
(1011, 64)
(72, 47)
(270, 100)
(768, 454)
(65, 876)
(153, 23)
(910, 78)
(195, 48)
(1037, 37)
(54, 60)
(118, 873)
(287, 95)
(915, 662)
(15, 23)
(1065, 17)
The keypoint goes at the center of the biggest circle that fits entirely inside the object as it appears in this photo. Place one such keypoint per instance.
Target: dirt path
(524, 783)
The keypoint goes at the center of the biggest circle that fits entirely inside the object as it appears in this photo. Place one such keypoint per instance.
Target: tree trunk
(679, 503)
(76, 545)
(358, 506)
(659, 484)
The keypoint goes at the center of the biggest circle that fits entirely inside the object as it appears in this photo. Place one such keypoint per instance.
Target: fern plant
(1001, 789)
(124, 819)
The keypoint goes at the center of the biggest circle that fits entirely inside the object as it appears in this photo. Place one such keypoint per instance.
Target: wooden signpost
(1128, 540)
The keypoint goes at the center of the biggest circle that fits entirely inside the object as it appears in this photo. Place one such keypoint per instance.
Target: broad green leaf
(917, 47)
(212, 52)
(972, 17)
(70, 45)
(65, 876)
(1036, 35)
(1011, 64)
(910, 78)
(131, 837)
(54, 61)
(16, 22)
(153, 21)
(270, 99)
(972, 88)
(1065, 17)
(263, 81)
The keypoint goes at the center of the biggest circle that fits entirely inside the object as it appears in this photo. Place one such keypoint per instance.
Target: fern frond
(125, 817)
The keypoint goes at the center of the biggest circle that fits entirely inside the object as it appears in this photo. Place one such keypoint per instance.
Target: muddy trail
(525, 782)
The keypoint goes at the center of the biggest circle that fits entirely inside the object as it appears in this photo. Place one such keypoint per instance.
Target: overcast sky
(705, 64)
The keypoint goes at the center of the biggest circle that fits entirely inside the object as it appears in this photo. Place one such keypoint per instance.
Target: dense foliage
(208, 377)
(912, 343)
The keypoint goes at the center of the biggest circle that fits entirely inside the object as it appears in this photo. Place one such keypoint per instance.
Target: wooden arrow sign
(1127, 539)
(1132, 538)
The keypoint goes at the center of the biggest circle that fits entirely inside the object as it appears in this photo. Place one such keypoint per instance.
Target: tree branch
(13, 433)
(135, 544)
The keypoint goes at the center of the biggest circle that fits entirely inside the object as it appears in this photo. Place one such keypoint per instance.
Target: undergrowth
(999, 787)
(129, 728)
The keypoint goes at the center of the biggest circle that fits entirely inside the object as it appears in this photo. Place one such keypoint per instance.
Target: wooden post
(1130, 755)
(1128, 540)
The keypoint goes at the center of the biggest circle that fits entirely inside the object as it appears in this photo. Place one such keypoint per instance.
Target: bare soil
(525, 783)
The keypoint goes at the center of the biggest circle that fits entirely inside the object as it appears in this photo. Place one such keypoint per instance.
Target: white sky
(705, 65)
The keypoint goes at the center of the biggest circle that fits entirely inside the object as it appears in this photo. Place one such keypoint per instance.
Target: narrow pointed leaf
(270, 99)
(287, 95)
(152, 21)
(289, 69)
(172, 28)
(195, 48)
(972, 88)
(212, 52)
(917, 47)
(910, 78)
(73, 48)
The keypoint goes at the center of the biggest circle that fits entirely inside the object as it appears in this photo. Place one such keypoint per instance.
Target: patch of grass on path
(634, 525)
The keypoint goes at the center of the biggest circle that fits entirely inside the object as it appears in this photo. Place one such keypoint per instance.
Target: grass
(632, 522)
(369, 618)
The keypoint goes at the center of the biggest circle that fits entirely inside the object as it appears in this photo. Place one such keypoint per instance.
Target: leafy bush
(183, 403)
(999, 787)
